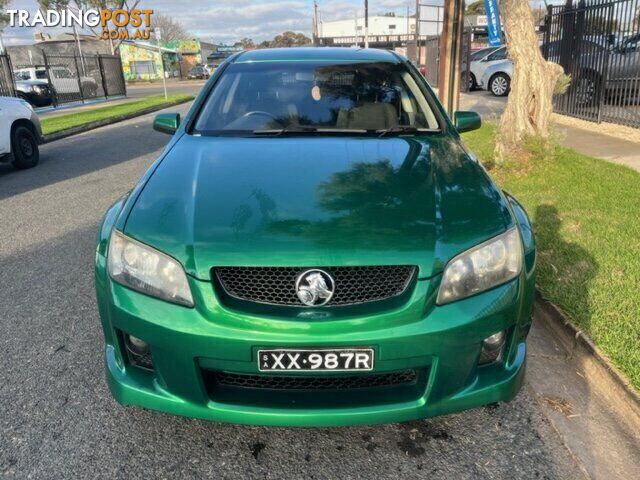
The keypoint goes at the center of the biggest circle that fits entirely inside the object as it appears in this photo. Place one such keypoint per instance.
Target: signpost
(158, 35)
(366, 23)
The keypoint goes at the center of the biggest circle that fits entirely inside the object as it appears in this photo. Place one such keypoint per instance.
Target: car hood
(316, 201)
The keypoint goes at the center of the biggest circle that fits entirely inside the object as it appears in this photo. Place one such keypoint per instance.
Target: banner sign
(493, 21)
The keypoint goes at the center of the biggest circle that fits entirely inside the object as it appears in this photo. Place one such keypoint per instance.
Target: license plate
(334, 360)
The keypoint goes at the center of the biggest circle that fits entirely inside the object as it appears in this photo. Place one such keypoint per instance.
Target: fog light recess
(492, 348)
(139, 352)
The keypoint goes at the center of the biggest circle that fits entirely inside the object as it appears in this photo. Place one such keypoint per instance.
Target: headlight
(147, 270)
(38, 88)
(482, 267)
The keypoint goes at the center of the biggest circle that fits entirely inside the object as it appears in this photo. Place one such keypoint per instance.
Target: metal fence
(432, 59)
(597, 42)
(6, 77)
(73, 78)
(431, 46)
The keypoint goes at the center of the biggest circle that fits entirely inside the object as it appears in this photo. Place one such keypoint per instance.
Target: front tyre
(24, 146)
(587, 89)
(500, 84)
(471, 80)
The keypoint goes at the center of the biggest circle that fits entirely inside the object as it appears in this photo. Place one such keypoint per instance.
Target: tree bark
(533, 81)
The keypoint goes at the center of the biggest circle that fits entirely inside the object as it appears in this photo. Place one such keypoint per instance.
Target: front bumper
(443, 343)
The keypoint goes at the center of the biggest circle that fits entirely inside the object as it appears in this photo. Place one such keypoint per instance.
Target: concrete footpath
(617, 144)
(589, 412)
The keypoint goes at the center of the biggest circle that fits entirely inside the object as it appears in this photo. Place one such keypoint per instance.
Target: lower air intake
(306, 382)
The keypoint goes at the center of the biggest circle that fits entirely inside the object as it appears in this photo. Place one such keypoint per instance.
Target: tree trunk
(532, 84)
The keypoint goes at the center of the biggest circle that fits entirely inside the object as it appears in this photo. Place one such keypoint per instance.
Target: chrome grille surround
(277, 285)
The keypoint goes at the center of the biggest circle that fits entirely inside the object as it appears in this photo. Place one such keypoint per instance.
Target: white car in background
(483, 59)
(20, 133)
(63, 80)
(497, 78)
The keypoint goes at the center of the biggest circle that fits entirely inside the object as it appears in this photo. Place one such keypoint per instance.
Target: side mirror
(466, 121)
(166, 122)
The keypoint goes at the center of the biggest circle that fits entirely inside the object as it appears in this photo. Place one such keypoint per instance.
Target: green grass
(70, 120)
(586, 216)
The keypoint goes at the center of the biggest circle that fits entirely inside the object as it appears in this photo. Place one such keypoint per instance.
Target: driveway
(59, 421)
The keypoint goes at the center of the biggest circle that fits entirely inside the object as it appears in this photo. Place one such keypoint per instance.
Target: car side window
(500, 54)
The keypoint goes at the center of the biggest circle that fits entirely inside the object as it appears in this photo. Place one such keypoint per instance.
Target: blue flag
(493, 22)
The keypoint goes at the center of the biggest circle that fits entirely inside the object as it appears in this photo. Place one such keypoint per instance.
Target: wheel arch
(526, 231)
(590, 72)
(24, 122)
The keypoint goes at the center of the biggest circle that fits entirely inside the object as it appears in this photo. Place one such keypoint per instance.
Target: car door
(63, 80)
(480, 67)
(5, 129)
(624, 64)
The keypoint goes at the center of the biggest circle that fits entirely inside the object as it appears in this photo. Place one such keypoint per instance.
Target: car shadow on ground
(565, 269)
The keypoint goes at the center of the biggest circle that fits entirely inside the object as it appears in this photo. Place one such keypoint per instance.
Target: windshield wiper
(284, 131)
(307, 129)
(403, 129)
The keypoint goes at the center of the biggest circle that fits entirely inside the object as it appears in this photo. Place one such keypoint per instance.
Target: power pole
(75, 34)
(450, 54)
(417, 29)
(366, 23)
(158, 34)
(315, 23)
(407, 21)
(355, 12)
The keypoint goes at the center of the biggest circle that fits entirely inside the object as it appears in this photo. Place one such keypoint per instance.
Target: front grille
(277, 285)
(287, 382)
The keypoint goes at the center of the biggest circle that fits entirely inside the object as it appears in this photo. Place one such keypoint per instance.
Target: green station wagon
(315, 246)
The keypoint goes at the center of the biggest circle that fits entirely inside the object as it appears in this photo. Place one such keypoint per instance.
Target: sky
(226, 21)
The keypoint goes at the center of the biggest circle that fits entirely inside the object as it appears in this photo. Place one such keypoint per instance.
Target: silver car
(483, 59)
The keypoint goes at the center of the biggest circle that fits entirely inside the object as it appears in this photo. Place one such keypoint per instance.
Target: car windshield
(482, 53)
(295, 97)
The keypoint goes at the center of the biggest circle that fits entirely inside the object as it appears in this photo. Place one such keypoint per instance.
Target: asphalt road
(57, 419)
(139, 90)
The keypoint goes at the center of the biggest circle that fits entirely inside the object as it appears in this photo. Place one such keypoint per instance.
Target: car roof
(320, 54)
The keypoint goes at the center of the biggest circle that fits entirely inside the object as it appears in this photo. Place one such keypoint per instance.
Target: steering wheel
(260, 112)
(252, 121)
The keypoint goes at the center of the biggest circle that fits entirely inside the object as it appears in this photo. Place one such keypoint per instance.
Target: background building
(190, 52)
(384, 31)
(145, 62)
(62, 44)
